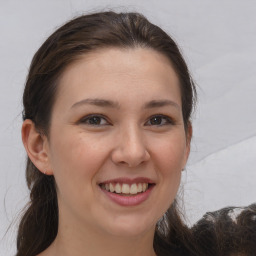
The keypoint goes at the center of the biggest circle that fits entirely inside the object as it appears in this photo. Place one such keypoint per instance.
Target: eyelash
(168, 120)
(86, 120)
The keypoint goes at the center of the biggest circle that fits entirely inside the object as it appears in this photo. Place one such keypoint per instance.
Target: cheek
(76, 160)
(75, 163)
(76, 150)
(171, 154)
(174, 160)
(170, 157)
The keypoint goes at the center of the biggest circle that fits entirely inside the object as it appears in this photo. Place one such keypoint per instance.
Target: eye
(94, 120)
(160, 120)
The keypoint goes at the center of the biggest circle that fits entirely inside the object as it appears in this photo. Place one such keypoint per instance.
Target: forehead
(135, 72)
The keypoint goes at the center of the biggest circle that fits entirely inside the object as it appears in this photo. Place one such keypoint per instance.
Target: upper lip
(126, 180)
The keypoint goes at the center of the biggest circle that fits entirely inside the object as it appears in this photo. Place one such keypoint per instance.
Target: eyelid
(170, 120)
(87, 117)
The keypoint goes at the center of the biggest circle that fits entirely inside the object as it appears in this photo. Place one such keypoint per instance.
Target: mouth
(126, 192)
(125, 189)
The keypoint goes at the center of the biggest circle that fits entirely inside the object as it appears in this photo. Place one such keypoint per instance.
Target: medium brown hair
(39, 225)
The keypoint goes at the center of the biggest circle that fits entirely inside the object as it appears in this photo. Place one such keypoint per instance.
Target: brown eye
(159, 120)
(94, 120)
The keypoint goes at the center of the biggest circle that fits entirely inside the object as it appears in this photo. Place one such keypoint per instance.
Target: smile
(125, 189)
(126, 192)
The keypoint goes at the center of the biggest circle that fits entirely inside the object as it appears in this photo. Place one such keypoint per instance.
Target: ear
(189, 133)
(36, 146)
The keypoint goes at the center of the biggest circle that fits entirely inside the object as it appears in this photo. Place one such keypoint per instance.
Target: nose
(130, 149)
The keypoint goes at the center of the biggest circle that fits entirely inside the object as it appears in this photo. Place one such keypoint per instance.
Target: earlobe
(36, 146)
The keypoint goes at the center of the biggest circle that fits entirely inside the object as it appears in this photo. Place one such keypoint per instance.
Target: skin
(126, 142)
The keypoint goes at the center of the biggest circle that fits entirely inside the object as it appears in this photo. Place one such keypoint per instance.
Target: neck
(75, 241)
(107, 246)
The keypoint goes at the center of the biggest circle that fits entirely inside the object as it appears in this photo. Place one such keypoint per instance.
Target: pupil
(156, 120)
(94, 120)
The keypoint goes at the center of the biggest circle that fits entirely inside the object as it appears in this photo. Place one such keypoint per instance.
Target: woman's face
(117, 141)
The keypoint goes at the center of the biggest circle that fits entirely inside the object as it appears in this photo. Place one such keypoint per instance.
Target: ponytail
(172, 236)
(39, 224)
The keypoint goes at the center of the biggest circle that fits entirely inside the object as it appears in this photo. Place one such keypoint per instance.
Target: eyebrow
(114, 104)
(97, 102)
(161, 103)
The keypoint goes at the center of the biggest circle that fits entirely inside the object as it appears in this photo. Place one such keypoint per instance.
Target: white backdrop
(218, 39)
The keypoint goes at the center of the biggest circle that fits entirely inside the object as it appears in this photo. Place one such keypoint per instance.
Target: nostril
(129, 156)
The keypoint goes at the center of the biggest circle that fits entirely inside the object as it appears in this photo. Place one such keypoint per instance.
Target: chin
(125, 227)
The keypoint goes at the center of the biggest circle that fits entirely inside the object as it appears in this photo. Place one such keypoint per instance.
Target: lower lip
(129, 200)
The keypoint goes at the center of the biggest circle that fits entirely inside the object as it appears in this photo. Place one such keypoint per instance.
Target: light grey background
(218, 39)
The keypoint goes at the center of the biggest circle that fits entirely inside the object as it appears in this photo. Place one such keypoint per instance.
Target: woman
(107, 130)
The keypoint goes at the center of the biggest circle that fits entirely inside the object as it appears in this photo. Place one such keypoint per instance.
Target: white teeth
(132, 189)
(144, 187)
(111, 188)
(125, 189)
(118, 188)
(139, 187)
